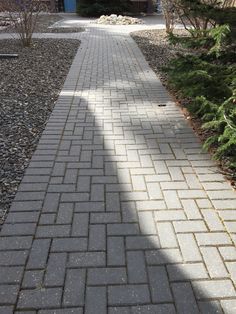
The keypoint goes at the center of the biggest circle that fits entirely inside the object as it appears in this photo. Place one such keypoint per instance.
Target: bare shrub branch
(23, 15)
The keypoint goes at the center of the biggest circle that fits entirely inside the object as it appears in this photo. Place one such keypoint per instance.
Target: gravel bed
(29, 87)
(66, 30)
(45, 23)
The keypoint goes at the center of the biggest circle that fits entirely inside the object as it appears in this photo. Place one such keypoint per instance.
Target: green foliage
(215, 40)
(189, 42)
(99, 7)
(219, 36)
(224, 127)
(195, 77)
(211, 88)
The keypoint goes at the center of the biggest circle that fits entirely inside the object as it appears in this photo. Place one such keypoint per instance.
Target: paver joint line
(118, 211)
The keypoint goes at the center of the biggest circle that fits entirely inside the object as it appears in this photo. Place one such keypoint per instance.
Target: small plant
(213, 41)
(224, 127)
(219, 36)
(23, 15)
(194, 76)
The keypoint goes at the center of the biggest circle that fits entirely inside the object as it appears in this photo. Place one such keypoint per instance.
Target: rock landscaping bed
(114, 19)
(66, 30)
(29, 87)
(157, 50)
(45, 24)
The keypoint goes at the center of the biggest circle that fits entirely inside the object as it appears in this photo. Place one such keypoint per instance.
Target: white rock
(113, 19)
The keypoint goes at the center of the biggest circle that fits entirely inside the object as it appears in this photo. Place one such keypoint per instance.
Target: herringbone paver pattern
(120, 211)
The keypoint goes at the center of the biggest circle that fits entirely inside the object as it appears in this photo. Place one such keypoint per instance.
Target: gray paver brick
(136, 267)
(212, 220)
(184, 298)
(97, 238)
(213, 238)
(142, 242)
(53, 231)
(55, 271)
(80, 225)
(89, 207)
(189, 248)
(214, 262)
(229, 306)
(15, 243)
(228, 253)
(87, 259)
(163, 256)
(166, 234)
(6, 309)
(104, 218)
(146, 223)
(69, 245)
(8, 294)
(65, 213)
(122, 229)
(154, 309)
(13, 258)
(51, 202)
(190, 226)
(75, 310)
(210, 307)
(159, 284)
(179, 272)
(46, 219)
(119, 310)
(39, 254)
(106, 276)
(39, 298)
(213, 289)
(96, 300)
(74, 287)
(128, 295)
(115, 251)
(33, 279)
(22, 217)
(10, 274)
(18, 229)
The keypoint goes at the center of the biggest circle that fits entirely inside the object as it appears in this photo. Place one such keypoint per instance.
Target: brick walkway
(119, 211)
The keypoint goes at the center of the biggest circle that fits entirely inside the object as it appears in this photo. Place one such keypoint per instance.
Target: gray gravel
(29, 87)
(156, 49)
(45, 23)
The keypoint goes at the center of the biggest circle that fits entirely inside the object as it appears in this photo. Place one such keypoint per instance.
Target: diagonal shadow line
(132, 251)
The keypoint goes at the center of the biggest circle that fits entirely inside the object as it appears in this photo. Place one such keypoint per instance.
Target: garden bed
(44, 25)
(29, 88)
